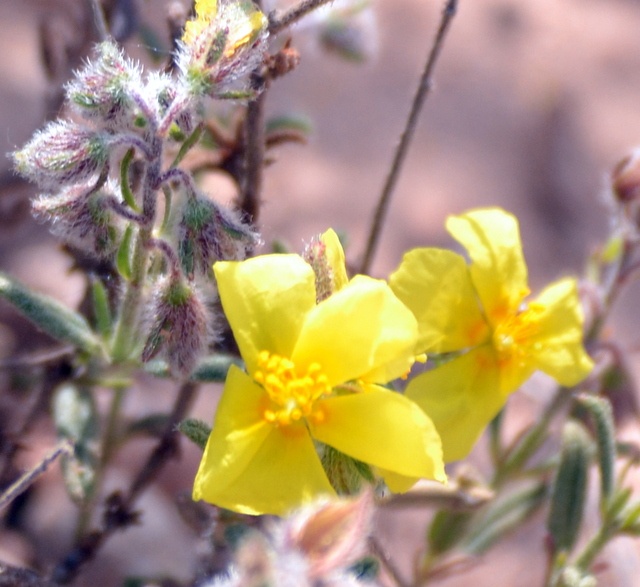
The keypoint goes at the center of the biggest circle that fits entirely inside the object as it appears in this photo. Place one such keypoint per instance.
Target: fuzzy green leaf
(570, 487)
(50, 315)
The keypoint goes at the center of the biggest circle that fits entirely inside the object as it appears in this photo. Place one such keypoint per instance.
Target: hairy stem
(422, 92)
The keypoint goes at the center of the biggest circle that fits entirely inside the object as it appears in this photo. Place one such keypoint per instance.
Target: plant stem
(253, 159)
(127, 326)
(520, 453)
(422, 92)
(119, 513)
(293, 15)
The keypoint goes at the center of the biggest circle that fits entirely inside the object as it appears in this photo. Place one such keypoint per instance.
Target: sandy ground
(533, 103)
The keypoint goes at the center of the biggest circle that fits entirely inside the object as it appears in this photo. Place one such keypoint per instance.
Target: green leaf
(196, 431)
(570, 487)
(504, 516)
(151, 425)
(123, 256)
(74, 413)
(601, 413)
(211, 369)
(127, 194)
(447, 529)
(50, 315)
(101, 309)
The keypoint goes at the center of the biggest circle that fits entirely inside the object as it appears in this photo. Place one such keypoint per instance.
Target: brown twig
(386, 562)
(422, 92)
(119, 513)
(293, 15)
(254, 139)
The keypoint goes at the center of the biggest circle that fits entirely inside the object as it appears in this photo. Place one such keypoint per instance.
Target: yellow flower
(481, 309)
(311, 374)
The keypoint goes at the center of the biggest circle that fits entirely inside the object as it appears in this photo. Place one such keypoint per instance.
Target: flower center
(515, 331)
(293, 396)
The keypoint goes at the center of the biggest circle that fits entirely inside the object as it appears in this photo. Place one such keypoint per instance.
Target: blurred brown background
(534, 102)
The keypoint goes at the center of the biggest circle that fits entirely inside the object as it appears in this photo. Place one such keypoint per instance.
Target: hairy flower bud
(225, 41)
(102, 91)
(208, 233)
(82, 218)
(180, 326)
(63, 153)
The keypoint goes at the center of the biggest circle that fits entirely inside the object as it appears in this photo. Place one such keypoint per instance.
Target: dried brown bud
(625, 178)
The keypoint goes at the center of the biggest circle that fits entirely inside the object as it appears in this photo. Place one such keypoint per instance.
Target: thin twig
(22, 484)
(99, 20)
(387, 563)
(293, 15)
(422, 92)
(119, 512)
(253, 159)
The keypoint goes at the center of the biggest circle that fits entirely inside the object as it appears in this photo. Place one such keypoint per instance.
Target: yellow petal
(384, 429)
(206, 8)
(499, 273)
(557, 347)
(435, 285)
(266, 300)
(397, 483)
(335, 257)
(251, 466)
(461, 397)
(361, 332)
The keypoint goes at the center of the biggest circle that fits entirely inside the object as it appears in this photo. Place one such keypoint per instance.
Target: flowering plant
(340, 394)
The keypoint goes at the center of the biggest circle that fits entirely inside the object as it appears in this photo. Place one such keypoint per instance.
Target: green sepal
(196, 431)
(570, 487)
(75, 417)
(51, 316)
(123, 256)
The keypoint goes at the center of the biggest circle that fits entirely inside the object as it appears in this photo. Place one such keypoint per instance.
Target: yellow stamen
(514, 333)
(292, 395)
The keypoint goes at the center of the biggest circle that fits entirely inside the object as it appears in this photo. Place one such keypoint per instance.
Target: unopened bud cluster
(102, 171)
(314, 546)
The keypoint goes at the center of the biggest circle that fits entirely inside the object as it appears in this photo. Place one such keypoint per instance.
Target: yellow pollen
(292, 395)
(514, 333)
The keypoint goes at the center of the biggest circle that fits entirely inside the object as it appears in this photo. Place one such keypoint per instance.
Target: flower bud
(102, 90)
(82, 218)
(208, 233)
(225, 41)
(180, 326)
(331, 535)
(63, 153)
